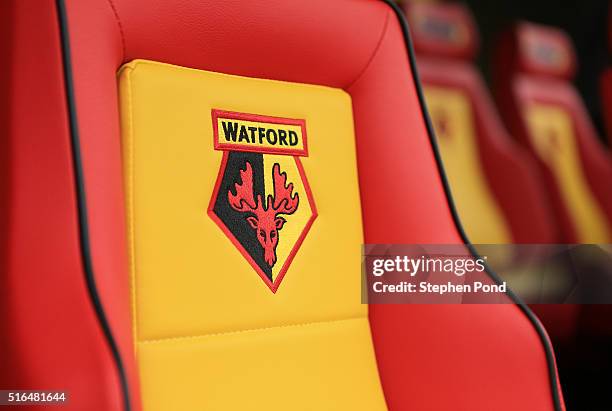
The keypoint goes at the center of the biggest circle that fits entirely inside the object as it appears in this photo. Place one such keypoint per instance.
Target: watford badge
(262, 200)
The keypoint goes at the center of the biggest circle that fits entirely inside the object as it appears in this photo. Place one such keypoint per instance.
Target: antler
(284, 202)
(244, 191)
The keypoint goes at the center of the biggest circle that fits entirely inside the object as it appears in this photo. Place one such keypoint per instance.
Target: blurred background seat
(496, 186)
(506, 186)
(533, 68)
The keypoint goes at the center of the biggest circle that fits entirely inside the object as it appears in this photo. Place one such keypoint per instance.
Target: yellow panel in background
(209, 334)
(552, 134)
(479, 211)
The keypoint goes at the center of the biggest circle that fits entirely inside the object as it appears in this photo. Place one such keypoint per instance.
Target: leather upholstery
(183, 266)
(50, 336)
(497, 188)
(434, 357)
(534, 100)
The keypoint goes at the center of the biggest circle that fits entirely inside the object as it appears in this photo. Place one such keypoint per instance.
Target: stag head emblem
(264, 216)
(256, 192)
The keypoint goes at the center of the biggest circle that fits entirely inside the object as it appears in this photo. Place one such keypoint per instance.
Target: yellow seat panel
(480, 213)
(553, 139)
(208, 332)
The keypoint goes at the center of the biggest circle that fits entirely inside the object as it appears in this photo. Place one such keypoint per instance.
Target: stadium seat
(144, 267)
(497, 189)
(495, 184)
(533, 68)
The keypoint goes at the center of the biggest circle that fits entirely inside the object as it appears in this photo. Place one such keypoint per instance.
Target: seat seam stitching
(121, 32)
(130, 207)
(250, 330)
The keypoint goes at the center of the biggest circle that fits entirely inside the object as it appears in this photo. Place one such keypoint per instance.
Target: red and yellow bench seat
(152, 305)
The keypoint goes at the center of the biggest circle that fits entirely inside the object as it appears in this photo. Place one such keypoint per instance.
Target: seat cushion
(551, 133)
(208, 306)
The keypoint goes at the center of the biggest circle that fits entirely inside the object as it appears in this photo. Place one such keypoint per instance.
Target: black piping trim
(550, 357)
(82, 205)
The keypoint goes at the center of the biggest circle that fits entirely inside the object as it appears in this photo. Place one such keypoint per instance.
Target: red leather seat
(505, 177)
(68, 309)
(446, 41)
(533, 66)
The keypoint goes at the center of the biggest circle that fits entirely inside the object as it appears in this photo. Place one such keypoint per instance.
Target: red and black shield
(262, 200)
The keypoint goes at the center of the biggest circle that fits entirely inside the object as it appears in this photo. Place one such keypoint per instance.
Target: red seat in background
(446, 42)
(533, 68)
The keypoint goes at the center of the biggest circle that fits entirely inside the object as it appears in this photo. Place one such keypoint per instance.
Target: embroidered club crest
(262, 200)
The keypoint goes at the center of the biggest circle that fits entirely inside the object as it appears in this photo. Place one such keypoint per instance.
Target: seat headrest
(446, 30)
(542, 50)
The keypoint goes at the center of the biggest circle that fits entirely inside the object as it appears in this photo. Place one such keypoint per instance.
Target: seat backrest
(533, 66)
(496, 187)
(141, 247)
